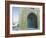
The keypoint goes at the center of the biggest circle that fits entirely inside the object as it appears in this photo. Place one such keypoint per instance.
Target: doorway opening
(32, 21)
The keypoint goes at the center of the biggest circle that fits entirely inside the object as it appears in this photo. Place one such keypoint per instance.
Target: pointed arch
(32, 20)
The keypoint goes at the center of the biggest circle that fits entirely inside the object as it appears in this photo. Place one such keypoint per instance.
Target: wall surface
(2, 19)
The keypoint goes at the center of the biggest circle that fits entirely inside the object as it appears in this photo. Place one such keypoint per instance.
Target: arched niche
(32, 21)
